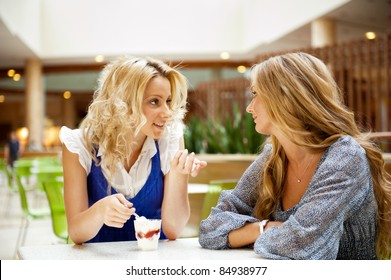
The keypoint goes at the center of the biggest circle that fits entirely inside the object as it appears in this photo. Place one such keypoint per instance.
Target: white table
(180, 249)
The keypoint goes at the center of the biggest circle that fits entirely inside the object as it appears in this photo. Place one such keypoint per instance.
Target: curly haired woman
(128, 154)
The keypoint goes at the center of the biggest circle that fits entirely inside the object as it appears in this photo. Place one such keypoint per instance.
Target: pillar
(35, 100)
(323, 33)
(69, 109)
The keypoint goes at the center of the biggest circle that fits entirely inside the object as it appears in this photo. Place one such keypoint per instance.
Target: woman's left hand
(185, 163)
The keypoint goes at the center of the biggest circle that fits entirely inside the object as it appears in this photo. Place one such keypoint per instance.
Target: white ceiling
(353, 19)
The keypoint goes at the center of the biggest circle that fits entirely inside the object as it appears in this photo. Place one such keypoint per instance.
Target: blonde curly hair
(304, 101)
(115, 115)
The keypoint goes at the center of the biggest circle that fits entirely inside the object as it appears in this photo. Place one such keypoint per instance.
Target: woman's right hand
(116, 210)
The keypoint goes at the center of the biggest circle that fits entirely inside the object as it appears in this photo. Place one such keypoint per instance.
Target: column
(323, 33)
(35, 101)
(69, 115)
(213, 91)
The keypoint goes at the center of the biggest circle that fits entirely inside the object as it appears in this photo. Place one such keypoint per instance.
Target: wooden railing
(215, 99)
(361, 69)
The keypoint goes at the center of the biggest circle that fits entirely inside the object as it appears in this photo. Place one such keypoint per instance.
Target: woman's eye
(168, 101)
(154, 101)
(253, 93)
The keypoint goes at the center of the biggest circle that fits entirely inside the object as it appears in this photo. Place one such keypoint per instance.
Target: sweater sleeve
(234, 207)
(337, 190)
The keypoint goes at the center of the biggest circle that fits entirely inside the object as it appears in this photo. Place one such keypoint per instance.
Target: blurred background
(51, 53)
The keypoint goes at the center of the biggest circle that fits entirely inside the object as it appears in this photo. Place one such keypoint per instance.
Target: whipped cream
(147, 232)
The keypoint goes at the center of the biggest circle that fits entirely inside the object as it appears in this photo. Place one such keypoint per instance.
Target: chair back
(210, 200)
(22, 167)
(2, 164)
(227, 184)
(29, 213)
(46, 172)
(54, 192)
(47, 161)
(22, 195)
(212, 196)
(10, 179)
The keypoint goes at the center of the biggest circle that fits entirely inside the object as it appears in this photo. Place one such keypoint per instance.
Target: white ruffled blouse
(129, 184)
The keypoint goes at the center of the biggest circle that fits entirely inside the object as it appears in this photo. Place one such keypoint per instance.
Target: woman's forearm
(85, 225)
(175, 207)
(244, 236)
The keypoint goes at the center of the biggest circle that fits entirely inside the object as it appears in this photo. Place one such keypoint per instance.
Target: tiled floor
(39, 231)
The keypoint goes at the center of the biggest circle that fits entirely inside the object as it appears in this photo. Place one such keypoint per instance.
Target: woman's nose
(249, 108)
(166, 111)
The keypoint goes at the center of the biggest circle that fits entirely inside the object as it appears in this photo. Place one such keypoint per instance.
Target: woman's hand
(116, 210)
(185, 163)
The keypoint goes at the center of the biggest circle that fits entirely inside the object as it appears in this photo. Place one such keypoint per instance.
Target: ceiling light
(99, 58)
(370, 35)
(23, 133)
(67, 94)
(241, 69)
(11, 73)
(225, 55)
(16, 77)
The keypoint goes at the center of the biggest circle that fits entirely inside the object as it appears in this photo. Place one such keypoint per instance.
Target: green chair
(210, 200)
(54, 192)
(2, 165)
(47, 161)
(10, 179)
(28, 213)
(212, 196)
(46, 172)
(227, 184)
(22, 167)
(12, 188)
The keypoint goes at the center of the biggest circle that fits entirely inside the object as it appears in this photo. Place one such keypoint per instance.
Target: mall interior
(51, 54)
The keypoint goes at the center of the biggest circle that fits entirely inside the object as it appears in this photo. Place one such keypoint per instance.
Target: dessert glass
(147, 233)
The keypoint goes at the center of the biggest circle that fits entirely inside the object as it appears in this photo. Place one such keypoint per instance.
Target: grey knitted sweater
(335, 218)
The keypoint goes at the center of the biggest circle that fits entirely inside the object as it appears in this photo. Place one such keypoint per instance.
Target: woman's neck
(297, 155)
(136, 147)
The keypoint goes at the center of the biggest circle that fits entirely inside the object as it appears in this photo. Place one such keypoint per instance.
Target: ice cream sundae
(147, 232)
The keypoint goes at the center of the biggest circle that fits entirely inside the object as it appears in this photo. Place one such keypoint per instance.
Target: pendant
(298, 180)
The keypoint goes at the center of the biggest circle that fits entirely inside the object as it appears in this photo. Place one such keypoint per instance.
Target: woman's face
(156, 102)
(257, 109)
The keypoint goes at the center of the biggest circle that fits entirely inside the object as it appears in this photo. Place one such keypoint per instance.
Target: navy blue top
(13, 146)
(148, 201)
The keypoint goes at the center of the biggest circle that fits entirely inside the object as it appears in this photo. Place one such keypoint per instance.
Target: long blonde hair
(304, 101)
(115, 115)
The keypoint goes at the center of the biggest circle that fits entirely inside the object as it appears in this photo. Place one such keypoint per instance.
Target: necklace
(305, 170)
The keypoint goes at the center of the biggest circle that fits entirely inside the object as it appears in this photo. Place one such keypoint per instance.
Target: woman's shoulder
(346, 151)
(72, 138)
(68, 133)
(265, 152)
(261, 159)
(347, 145)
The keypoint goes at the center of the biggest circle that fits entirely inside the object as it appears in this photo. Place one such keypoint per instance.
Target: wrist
(262, 225)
